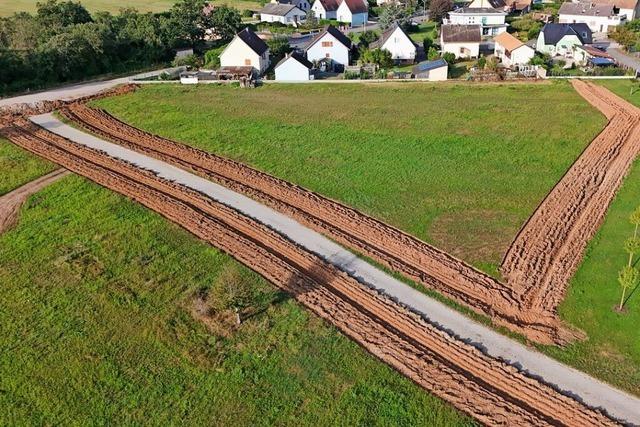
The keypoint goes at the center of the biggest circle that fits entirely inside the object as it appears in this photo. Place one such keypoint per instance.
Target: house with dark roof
(300, 4)
(246, 50)
(354, 12)
(287, 14)
(561, 39)
(461, 40)
(433, 71)
(294, 67)
(330, 46)
(398, 43)
(599, 17)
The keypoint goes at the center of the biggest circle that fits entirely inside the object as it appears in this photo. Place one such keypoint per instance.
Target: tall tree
(226, 22)
(392, 13)
(438, 9)
(189, 20)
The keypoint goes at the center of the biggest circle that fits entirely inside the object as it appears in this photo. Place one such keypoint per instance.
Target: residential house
(511, 51)
(246, 50)
(561, 39)
(325, 9)
(294, 67)
(599, 17)
(490, 14)
(300, 4)
(354, 12)
(331, 46)
(627, 8)
(518, 7)
(287, 14)
(431, 70)
(398, 43)
(461, 40)
(585, 53)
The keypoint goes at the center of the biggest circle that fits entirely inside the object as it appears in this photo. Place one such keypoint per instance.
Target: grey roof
(278, 9)
(253, 41)
(335, 33)
(429, 65)
(460, 33)
(587, 9)
(553, 33)
(295, 55)
(479, 11)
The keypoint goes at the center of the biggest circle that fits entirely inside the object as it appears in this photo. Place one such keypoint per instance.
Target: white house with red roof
(354, 12)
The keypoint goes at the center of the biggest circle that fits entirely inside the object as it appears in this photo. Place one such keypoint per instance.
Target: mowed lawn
(112, 315)
(18, 167)
(613, 348)
(459, 166)
(9, 7)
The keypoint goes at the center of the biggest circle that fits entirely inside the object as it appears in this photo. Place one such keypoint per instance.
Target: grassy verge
(19, 167)
(461, 167)
(97, 327)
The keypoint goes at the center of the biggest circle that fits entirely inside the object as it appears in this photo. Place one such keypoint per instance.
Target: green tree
(449, 57)
(628, 278)
(394, 13)
(367, 37)
(380, 57)
(279, 46)
(226, 22)
(54, 16)
(433, 54)
(624, 36)
(189, 20)
(427, 43)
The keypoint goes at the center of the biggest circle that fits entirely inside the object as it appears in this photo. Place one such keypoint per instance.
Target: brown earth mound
(490, 390)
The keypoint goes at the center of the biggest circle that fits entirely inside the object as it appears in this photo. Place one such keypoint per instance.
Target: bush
(192, 61)
(247, 13)
(212, 57)
(449, 57)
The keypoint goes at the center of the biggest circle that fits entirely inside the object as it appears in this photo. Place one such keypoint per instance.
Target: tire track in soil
(550, 246)
(487, 389)
(391, 247)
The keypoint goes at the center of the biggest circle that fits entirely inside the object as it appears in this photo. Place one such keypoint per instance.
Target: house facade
(355, 12)
(325, 9)
(511, 51)
(246, 49)
(304, 5)
(398, 43)
(561, 39)
(491, 20)
(293, 68)
(630, 9)
(599, 17)
(331, 45)
(287, 14)
(461, 40)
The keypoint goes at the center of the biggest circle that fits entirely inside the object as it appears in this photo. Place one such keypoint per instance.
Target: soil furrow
(492, 391)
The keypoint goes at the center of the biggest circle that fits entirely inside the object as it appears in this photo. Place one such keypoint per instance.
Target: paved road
(567, 379)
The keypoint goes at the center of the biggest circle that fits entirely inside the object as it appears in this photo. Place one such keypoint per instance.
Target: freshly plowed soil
(491, 391)
(550, 247)
(11, 203)
(395, 249)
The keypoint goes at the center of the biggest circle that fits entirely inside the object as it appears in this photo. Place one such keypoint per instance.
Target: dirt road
(11, 203)
(549, 248)
(490, 390)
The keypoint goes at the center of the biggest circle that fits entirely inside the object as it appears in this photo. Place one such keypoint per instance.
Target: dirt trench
(549, 248)
(391, 247)
(11, 202)
(489, 390)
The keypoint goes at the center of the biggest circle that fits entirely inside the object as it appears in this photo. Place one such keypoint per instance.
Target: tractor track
(550, 246)
(490, 390)
(391, 247)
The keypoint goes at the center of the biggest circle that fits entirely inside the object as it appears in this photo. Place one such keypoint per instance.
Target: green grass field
(464, 179)
(19, 167)
(9, 7)
(97, 327)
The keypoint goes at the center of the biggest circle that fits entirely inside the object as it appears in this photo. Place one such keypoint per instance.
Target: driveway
(622, 57)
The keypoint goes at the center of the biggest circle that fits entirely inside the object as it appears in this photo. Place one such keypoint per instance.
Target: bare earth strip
(395, 249)
(11, 203)
(549, 248)
(490, 390)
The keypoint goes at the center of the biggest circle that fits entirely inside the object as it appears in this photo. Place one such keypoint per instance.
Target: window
(327, 44)
(247, 62)
(461, 50)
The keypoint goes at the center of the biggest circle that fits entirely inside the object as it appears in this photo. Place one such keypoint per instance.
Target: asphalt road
(573, 382)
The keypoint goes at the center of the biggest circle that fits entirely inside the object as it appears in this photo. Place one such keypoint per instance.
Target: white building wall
(469, 19)
(400, 46)
(564, 46)
(597, 24)
(320, 13)
(519, 56)
(292, 70)
(338, 52)
(438, 74)
(471, 49)
(238, 54)
(343, 14)
(290, 18)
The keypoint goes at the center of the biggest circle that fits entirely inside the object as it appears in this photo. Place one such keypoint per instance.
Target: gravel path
(572, 382)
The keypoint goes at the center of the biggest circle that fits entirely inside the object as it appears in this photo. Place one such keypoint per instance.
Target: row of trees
(629, 274)
(62, 41)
